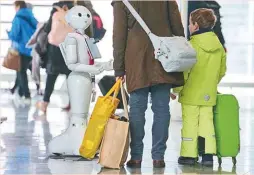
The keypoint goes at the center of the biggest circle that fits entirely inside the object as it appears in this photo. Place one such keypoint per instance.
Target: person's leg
(160, 107)
(36, 84)
(138, 106)
(15, 85)
(207, 132)
(50, 84)
(189, 147)
(22, 76)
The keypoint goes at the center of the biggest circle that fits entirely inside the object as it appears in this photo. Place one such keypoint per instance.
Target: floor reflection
(26, 133)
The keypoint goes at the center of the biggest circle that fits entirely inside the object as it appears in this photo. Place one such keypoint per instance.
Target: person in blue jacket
(23, 26)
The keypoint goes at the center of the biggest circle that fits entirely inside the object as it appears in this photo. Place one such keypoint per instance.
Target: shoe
(134, 163)
(158, 164)
(207, 160)
(187, 160)
(67, 108)
(12, 91)
(39, 92)
(2, 119)
(42, 106)
(27, 101)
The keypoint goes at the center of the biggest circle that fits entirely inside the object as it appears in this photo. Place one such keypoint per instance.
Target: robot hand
(107, 66)
(96, 69)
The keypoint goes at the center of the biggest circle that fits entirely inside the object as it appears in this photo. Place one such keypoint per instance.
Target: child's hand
(172, 96)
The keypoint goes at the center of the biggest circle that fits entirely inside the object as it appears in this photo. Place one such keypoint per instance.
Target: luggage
(227, 128)
(103, 110)
(115, 145)
(106, 83)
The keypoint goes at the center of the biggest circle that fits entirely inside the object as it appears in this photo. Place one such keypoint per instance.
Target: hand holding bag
(175, 53)
(104, 108)
(115, 144)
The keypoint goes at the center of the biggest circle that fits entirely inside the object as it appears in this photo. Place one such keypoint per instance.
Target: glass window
(42, 13)
(238, 30)
(3, 28)
(4, 46)
(7, 13)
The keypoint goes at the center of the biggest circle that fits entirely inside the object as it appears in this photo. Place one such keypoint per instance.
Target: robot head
(79, 18)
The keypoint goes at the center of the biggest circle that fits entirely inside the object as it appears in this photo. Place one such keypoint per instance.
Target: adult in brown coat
(134, 57)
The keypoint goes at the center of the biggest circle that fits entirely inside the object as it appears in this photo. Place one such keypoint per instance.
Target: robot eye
(79, 14)
(88, 15)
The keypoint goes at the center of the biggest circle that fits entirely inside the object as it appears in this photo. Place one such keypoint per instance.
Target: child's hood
(207, 41)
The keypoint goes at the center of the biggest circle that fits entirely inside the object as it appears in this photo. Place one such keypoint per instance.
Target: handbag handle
(137, 16)
(125, 106)
(115, 89)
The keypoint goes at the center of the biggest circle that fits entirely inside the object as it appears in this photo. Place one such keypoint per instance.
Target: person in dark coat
(134, 57)
(193, 5)
(55, 63)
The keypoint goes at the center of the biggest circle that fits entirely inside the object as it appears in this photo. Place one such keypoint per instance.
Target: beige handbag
(115, 145)
(12, 60)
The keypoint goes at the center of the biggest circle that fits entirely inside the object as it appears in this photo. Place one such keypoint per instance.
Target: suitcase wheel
(234, 160)
(219, 161)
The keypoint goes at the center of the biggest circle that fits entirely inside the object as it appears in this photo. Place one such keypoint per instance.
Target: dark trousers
(16, 82)
(22, 76)
(50, 84)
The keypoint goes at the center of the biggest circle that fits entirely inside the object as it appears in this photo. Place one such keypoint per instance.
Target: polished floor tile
(26, 133)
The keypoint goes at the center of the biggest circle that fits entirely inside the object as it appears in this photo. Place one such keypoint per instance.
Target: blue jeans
(160, 107)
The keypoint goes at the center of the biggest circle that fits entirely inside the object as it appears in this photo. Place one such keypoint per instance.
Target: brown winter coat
(132, 49)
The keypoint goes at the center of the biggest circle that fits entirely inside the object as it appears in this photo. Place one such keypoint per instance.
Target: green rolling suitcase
(227, 127)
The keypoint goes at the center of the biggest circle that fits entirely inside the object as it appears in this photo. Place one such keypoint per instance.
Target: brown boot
(134, 163)
(158, 164)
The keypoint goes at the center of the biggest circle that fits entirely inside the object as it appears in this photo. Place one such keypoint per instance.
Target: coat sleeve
(175, 19)
(14, 33)
(223, 67)
(120, 34)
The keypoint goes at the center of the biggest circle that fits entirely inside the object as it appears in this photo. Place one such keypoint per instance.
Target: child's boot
(207, 160)
(187, 160)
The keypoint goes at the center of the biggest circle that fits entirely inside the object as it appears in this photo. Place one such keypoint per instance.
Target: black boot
(207, 160)
(187, 161)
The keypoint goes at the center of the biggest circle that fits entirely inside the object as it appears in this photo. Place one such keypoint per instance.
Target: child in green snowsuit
(198, 95)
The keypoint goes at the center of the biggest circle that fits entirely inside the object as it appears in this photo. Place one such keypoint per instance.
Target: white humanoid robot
(77, 54)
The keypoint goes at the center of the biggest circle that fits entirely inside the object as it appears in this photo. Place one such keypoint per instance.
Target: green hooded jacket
(201, 81)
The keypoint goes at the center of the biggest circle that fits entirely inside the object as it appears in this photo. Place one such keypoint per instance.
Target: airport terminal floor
(26, 133)
(24, 137)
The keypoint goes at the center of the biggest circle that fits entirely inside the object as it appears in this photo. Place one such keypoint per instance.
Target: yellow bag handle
(126, 114)
(115, 89)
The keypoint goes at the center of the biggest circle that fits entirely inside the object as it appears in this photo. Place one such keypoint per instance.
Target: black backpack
(98, 30)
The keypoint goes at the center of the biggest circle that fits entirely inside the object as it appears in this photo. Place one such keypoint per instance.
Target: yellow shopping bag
(104, 108)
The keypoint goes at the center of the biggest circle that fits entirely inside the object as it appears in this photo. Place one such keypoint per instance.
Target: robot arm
(70, 54)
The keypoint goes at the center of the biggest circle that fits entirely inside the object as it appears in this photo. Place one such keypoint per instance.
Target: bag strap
(137, 16)
(115, 89)
(125, 106)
